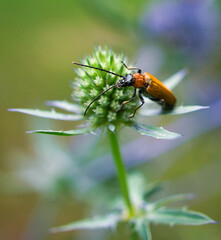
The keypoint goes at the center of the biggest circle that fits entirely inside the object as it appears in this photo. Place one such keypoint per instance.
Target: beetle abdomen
(159, 91)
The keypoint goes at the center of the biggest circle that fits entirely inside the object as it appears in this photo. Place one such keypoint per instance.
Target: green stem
(121, 172)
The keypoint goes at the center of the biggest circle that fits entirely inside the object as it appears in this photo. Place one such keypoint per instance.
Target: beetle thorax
(139, 80)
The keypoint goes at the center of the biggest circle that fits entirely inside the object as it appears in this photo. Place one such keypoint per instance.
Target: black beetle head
(125, 81)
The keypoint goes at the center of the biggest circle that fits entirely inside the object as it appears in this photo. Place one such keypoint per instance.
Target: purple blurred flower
(190, 25)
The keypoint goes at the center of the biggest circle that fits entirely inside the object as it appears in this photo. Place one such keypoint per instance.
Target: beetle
(148, 85)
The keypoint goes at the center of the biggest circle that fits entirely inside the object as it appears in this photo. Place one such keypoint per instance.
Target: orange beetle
(148, 85)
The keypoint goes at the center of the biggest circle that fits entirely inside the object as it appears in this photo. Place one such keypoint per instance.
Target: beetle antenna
(101, 69)
(85, 112)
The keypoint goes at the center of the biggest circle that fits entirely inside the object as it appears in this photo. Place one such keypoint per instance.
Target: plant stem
(121, 172)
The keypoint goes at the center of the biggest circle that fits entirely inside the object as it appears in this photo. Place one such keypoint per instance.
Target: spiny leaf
(137, 187)
(70, 107)
(47, 114)
(178, 216)
(176, 111)
(108, 221)
(171, 199)
(64, 133)
(175, 79)
(152, 188)
(143, 229)
(156, 132)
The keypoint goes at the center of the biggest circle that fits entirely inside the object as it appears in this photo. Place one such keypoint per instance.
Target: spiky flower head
(91, 82)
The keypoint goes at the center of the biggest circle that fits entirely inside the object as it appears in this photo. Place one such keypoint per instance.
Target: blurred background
(48, 180)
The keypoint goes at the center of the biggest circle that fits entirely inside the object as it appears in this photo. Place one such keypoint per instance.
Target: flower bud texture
(91, 82)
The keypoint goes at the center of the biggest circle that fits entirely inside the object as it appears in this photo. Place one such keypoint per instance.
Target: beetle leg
(125, 102)
(131, 68)
(142, 103)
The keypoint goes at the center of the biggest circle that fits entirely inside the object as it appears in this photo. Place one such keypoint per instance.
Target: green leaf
(139, 189)
(156, 132)
(175, 79)
(171, 199)
(108, 221)
(47, 114)
(176, 111)
(137, 186)
(64, 133)
(178, 216)
(67, 106)
(152, 188)
(143, 229)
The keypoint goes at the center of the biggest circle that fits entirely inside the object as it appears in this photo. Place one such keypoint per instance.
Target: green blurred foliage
(39, 40)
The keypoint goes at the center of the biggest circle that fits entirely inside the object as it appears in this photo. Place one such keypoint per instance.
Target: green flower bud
(91, 82)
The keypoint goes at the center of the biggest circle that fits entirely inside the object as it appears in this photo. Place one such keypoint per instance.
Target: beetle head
(126, 81)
